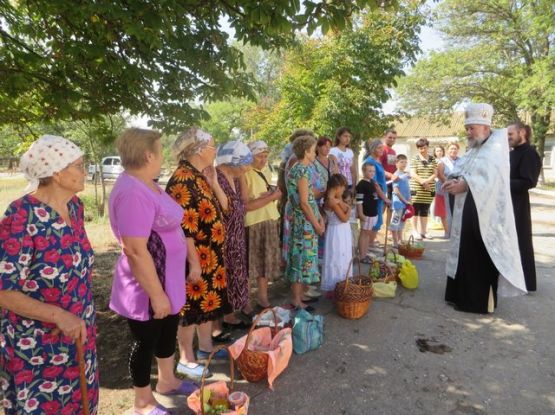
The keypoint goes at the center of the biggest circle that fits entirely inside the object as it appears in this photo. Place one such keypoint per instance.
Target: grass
(548, 186)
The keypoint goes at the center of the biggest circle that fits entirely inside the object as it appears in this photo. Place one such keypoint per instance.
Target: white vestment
(486, 170)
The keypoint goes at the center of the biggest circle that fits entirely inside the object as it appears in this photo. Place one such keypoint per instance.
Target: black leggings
(152, 337)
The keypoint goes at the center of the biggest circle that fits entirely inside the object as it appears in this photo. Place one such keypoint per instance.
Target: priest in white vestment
(484, 260)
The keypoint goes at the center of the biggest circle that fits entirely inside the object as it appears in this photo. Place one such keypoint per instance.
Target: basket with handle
(353, 295)
(253, 364)
(396, 269)
(380, 271)
(410, 249)
(195, 400)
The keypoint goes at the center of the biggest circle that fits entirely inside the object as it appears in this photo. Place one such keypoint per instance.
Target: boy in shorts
(401, 198)
(367, 210)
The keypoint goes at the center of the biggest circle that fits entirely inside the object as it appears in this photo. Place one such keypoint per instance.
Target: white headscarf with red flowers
(48, 155)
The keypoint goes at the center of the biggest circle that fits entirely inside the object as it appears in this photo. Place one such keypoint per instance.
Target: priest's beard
(477, 141)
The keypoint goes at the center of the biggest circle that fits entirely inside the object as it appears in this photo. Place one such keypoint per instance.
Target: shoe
(375, 249)
(366, 260)
(223, 337)
(192, 372)
(221, 354)
(308, 308)
(236, 326)
(185, 388)
(247, 317)
(258, 308)
(417, 236)
(311, 300)
(313, 292)
(158, 410)
(427, 236)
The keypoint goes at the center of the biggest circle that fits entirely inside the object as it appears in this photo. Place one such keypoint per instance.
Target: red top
(388, 159)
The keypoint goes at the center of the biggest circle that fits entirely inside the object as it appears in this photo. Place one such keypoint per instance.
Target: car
(111, 168)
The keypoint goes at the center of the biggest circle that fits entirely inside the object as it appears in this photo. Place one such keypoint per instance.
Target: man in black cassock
(483, 261)
(525, 170)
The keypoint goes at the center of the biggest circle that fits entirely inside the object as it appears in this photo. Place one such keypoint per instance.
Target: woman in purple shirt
(149, 278)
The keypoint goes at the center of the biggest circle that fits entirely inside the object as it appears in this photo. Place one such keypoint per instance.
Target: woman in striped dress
(423, 173)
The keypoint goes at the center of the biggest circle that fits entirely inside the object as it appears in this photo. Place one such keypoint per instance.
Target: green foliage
(63, 60)
(343, 78)
(500, 51)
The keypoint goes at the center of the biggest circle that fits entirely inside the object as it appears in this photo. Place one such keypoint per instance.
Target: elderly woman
(45, 287)
(375, 151)
(261, 221)
(306, 222)
(233, 160)
(423, 171)
(195, 187)
(149, 277)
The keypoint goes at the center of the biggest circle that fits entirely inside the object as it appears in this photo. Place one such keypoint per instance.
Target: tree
(60, 60)
(501, 52)
(343, 78)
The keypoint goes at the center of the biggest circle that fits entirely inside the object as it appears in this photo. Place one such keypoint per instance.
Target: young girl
(338, 244)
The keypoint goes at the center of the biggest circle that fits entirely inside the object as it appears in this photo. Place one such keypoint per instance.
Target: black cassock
(525, 170)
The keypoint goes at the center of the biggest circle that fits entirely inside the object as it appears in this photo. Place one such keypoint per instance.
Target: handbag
(308, 332)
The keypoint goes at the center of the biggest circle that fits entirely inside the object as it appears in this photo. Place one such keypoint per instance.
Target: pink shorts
(368, 223)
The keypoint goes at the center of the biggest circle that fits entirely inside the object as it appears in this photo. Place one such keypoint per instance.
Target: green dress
(302, 256)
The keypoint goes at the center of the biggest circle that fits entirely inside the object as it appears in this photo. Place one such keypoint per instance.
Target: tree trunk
(540, 126)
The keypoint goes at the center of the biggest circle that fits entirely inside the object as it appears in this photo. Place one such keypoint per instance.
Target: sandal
(158, 410)
(223, 337)
(185, 388)
(236, 326)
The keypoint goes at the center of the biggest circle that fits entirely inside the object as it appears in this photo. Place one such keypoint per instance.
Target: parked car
(111, 168)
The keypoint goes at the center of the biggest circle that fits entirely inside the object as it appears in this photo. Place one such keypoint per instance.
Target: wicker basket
(385, 276)
(195, 397)
(410, 250)
(252, 364)
(353, 296)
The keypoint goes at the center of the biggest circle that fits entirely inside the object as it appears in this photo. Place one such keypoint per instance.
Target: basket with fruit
(216, 398)
(411, 249)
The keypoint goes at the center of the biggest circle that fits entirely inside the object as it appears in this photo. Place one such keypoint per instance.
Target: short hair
(390, 130)
(374, 144)
(454, 143)
(323, 140)
(339, 132)
(442, 149)
(300, 132)
(366, 165)
(302, 144)
(133, 144)
(401, 157)
(422, 142)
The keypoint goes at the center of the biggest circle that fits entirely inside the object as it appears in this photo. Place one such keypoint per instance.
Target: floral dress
(202, 221)
(235, 252)
(48, 260)
(302, 254)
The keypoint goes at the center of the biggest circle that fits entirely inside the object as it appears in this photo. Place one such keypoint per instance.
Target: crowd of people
(190, 251)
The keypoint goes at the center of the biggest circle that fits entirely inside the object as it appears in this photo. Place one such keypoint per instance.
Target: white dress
(338, 252)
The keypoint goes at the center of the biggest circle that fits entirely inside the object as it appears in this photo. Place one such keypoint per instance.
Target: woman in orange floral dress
(195, 187)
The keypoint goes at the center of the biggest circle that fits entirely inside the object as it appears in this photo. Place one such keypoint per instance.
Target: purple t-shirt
(135, 211)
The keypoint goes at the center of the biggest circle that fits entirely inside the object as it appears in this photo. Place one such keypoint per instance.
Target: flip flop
(158, 410)
(185, 388)
(223, 337)
(311, 300)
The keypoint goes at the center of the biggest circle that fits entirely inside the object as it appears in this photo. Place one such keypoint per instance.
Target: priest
(525, 170)
(484, 259)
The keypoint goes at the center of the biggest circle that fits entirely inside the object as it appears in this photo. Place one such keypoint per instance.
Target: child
(368, 193)
(338, 246)
(353, 219)
(401, 198)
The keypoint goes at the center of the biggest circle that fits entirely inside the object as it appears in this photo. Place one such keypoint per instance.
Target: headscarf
(234, 153)
(258, 147)
(191, 142)
(48, 155)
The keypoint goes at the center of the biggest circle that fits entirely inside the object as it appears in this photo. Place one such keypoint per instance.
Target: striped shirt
(424, 169)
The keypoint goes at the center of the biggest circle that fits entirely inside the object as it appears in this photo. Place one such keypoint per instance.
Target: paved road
(498, 364)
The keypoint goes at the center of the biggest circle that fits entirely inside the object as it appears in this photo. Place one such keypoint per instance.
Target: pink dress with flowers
(48, 260)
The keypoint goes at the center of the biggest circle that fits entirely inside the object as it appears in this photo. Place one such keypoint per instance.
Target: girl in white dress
(338, 250)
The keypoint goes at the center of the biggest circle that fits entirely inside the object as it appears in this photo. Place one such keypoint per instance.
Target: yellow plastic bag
(409, 275)
(385, 289)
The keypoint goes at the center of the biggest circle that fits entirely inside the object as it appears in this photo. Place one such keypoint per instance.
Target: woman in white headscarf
(46, 299)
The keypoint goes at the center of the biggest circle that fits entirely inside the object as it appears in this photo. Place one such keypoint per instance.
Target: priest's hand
(455, 186)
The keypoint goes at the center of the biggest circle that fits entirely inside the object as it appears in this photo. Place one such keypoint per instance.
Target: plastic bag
(218, 388)
(409, 275)
(385, 289)
(308, 332)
